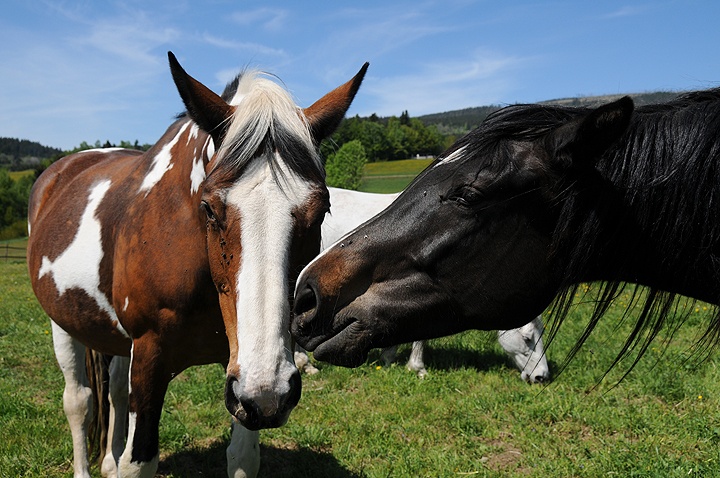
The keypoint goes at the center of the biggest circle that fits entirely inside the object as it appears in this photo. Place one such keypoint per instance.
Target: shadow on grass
(274, 462)
(442, 358)
(449, 358)
(452, 358)
(302, 462)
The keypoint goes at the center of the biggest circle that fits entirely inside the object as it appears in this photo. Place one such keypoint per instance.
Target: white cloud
(85, 79)
(272, 19)
(625, 11)
(254, 48)
(132, 42)
(483, 79)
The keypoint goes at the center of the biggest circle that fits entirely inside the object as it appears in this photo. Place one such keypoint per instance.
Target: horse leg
(389, 354)
(416, 362)
(119, 369)
(148, 384)
(243, 453)
(77, 396)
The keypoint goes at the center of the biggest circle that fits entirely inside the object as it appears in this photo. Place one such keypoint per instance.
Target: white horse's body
(349, 209)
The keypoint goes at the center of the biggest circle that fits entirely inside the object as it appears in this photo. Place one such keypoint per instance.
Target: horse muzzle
(264, 408)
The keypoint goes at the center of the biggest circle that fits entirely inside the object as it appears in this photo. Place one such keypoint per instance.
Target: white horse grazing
(349, 209)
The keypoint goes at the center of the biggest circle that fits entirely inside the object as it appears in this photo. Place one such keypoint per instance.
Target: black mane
(231, 88)
(658, 187)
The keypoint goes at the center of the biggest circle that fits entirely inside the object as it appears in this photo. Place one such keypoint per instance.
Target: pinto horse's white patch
(263, 311)
(79, 265)
(192, 136)
(162, 162)
(101, 150)
(197, 174)
(127, 467)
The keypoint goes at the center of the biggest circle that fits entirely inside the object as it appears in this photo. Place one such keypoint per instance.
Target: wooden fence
(14, 253)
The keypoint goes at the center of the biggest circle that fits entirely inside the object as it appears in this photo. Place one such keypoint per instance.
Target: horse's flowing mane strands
(665, 169)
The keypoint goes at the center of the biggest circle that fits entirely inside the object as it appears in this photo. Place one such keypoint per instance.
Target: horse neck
(651, 217)
(181, 156)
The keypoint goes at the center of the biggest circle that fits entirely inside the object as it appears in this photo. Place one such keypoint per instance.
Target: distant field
(13, 250)
(15, 175)
(391, 176)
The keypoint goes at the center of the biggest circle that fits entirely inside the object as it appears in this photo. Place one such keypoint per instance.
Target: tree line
(357, 141)
(388, 139)
(14, 193)
(20, 154)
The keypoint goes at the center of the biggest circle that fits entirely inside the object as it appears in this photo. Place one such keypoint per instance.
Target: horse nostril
(539, 379)
(305, 302)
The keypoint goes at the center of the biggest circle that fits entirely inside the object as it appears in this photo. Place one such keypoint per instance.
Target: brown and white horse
(185, 255)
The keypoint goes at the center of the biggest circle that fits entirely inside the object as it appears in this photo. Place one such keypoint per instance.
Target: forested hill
(16, 154)
(461, 121)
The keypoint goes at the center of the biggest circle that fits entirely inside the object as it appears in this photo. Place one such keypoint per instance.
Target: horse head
(525, 346)
(263, 201)
(469, 244)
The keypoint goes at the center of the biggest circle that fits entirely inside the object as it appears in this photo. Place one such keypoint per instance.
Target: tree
(345, 168)
(13, 202)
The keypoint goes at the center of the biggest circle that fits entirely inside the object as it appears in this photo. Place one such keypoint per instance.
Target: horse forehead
(272, 186)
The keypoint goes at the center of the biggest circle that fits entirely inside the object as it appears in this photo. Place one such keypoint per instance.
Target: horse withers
(185, 255)
(523, 345)
(520, 211)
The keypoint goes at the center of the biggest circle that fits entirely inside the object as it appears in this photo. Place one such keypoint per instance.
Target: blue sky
(73, 71)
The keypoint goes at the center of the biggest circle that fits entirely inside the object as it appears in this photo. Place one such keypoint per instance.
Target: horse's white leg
(389, 355)
(119, 367)
(302, 361)
(415, 362)
(148, 383)
(77, 396)
(243, 453)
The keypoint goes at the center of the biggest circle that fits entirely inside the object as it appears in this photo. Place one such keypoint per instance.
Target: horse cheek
(224, 267)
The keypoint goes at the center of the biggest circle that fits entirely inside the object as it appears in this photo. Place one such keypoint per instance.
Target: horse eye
(208, 210)
(467, 197)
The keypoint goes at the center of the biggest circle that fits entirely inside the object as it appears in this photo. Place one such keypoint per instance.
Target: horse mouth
(254, 422)
(348, 346)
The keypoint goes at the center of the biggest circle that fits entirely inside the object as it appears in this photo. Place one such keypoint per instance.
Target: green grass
(15, 175)
(391, 176)
(472, 416)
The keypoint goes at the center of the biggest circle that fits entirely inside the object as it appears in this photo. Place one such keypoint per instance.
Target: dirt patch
(507, 457)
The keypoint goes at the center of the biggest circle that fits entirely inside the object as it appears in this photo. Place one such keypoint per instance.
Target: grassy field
(391, 176)
(472, 416)
(15, 175)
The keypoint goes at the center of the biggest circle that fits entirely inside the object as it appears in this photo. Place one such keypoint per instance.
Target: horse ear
(325, 115)
(206, 108)
(587, 140)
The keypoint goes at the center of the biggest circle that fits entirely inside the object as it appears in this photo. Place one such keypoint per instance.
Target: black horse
(517, 213)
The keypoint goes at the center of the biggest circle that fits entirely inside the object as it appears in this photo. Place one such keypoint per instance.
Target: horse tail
(97, 366)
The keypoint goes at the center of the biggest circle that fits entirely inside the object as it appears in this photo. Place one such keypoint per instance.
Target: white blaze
(263, 311)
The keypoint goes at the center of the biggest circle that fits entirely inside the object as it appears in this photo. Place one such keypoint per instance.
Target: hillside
(462, 121)
(18, 154)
